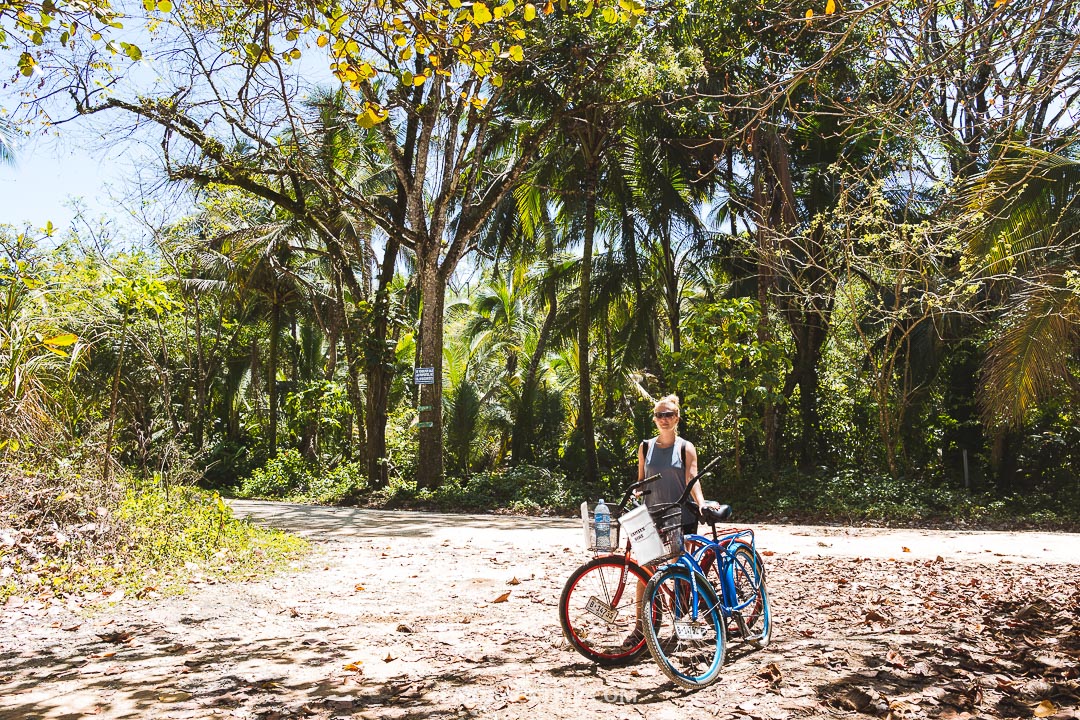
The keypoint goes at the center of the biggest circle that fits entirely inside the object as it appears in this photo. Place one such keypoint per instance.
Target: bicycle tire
(691, 654)
(602, 640)
(748, 575)
(747, 580)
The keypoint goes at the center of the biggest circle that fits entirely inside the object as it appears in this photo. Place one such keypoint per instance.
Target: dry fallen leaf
(873, 616)
(905, 549)
(403, 628)
(389, 658)
(895, 659)
(768, 553)
(359, 588)
(771, 672)
(171, 696)
(513, 581)
(1045, 709)
(502, 598)
(115, 637)
(354, 666)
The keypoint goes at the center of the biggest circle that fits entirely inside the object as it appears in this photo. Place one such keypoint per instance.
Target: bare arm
(691, 472)
(640, 462)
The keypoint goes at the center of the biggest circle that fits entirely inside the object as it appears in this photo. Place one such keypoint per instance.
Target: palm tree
(7, 142)
(1024, 244)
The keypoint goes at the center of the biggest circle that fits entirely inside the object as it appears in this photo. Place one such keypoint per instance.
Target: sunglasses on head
(665, 414)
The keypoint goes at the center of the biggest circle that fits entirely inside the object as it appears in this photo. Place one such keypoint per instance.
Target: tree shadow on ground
(1024, 653)
(323, 522)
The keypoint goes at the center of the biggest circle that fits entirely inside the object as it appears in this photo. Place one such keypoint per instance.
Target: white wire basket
(588, 523)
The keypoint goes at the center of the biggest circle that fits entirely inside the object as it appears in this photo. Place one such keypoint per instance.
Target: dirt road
(395, 616)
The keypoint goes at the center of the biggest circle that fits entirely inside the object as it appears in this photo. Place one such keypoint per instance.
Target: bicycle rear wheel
(689, 649)
(598, 610)
(751, 621)
(751, 598)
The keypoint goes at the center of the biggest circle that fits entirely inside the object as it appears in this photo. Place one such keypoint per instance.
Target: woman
(674, 459)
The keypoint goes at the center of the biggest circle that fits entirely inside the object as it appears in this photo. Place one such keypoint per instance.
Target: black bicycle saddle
(713, 514)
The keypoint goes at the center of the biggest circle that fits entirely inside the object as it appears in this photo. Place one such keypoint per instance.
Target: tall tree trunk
(671, 289)
(809, 329)
(378, 365)
(652, 349)
(114, 398)
(522, 435)
(429, 469)
(271, 374)
(774, 209)
(585, 419)
(199, 415)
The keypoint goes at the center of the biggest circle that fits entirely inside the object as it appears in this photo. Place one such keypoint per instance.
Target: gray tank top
(668, 462)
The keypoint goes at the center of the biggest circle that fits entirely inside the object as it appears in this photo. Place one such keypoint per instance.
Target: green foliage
(64, 530)
(288, 476)
(862, 496)
(188, 530)
(525, 489)
(725, 374)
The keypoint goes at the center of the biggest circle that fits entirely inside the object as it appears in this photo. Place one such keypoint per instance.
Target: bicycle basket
(669, 528)
(588, 523)
(655, 538)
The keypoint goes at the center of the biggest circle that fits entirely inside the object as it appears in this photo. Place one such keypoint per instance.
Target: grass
(67, 535)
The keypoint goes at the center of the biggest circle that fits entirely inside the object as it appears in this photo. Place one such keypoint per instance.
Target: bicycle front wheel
(598, 610)
(687, 638)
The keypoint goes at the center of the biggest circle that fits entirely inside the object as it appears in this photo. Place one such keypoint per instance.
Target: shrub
(71, 533)
(288, 476)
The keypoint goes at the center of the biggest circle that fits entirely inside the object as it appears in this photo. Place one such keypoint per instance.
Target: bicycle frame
(692, 563)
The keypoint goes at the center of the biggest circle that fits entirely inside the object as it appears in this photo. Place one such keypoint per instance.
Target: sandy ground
(395, 615)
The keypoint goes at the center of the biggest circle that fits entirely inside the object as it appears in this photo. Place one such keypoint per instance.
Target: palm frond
(1029, 357)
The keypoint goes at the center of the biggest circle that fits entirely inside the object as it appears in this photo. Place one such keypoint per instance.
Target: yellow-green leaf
(610, 14)
(165, 6)
(480, 13)
(530, 12)
(516, 53)
(62, 340)
(587, 10)
(809, 13)
(830, 7)
(418, 80)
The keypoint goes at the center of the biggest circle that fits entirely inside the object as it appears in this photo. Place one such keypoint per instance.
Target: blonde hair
(672, 400)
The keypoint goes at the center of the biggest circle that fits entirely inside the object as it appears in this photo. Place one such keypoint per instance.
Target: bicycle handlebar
(653, 478)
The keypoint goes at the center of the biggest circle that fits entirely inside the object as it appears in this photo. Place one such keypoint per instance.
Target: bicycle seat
(713, 514)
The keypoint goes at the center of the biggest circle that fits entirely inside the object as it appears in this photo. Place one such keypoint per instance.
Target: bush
(525, 489)
(856, 496)
(288, 476)
(63, 530)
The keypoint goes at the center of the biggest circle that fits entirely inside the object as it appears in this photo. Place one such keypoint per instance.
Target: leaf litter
(854, 637)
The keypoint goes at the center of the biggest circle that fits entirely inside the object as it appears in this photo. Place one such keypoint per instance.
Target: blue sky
(46, 178)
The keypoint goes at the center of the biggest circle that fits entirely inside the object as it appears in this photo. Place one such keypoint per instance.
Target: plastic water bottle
(602, 525)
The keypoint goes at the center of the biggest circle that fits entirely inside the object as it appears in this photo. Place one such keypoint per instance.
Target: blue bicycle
(710, 584)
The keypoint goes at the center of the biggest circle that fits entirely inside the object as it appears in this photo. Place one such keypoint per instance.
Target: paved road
(329, 523)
